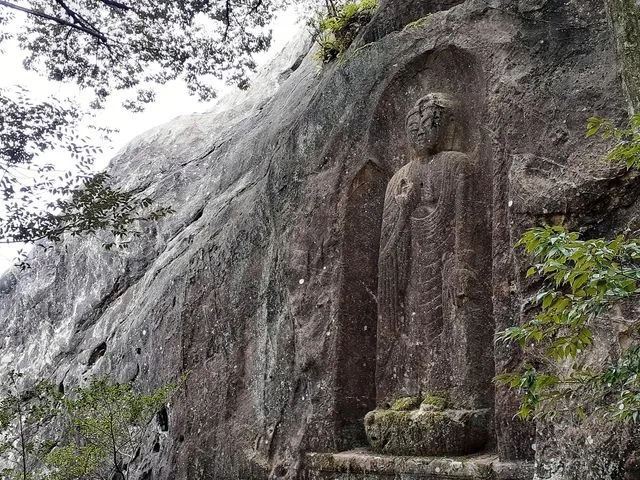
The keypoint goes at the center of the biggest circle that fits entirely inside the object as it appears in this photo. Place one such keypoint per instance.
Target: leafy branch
(582, 280)
(106, 424)
(22, 413)
(39, 203)
(627, 147)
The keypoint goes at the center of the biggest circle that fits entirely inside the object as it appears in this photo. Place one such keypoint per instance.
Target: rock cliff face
(263, 283)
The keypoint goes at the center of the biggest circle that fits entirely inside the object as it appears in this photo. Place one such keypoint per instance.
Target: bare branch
(79, 19)
(59, 21)
(114, 4)
(227, 19)
(255, 7)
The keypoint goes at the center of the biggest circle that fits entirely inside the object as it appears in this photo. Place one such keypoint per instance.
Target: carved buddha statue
(434, 339)
(430, 299)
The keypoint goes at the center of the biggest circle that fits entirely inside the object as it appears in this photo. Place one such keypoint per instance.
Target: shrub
(582, 280)
(106, 425)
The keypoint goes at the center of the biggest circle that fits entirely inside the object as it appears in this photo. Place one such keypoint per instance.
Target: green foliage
(109, 423)
(22, 413)
(75, 462)
(78, 203)
(338, 28)
(105, 46)
(41, 203)
(91, 207)
(581, 281)
(627, 147)
(106, 425)
(435, 401)
(583, 278)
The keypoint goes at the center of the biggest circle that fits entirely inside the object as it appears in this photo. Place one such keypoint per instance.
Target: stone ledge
(364, 465)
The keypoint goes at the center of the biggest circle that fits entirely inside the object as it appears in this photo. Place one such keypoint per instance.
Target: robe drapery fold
(426, 269)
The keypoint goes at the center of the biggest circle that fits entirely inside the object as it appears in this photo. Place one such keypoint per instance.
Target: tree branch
(59, 21)
(114, 4)
(80, 20)
(227, 17)
(255, 7)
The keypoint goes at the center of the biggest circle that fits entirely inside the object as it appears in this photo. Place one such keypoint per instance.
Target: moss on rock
(434, 402)
(406, 403)
(416, 23)
(427, 432)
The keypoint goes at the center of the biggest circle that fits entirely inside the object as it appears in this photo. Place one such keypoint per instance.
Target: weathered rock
(632, 466)
(625, 21)
(263, 283)
(427, 425)
(423, 432)
(363, 465)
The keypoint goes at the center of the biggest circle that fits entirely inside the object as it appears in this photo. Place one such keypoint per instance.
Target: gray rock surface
(260, 284)
(364, 465)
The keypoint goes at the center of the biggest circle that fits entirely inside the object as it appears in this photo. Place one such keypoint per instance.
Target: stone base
(364, 465)
(427, 432)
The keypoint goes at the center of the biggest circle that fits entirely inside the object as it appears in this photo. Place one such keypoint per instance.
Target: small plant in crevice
(339, 26)
(416, 23)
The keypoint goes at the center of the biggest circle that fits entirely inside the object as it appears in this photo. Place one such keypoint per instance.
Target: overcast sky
(172, 100)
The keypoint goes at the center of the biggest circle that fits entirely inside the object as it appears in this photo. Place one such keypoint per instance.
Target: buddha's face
(424, 128)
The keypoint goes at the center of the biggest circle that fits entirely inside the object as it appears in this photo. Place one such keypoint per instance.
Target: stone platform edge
(355, 462)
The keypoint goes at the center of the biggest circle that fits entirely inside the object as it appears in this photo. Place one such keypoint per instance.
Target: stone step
(362, 464)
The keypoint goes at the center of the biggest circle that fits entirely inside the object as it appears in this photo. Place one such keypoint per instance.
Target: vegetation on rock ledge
(338, 29)
(406, 403)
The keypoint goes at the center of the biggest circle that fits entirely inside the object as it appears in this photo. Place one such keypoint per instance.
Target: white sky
(172, 100)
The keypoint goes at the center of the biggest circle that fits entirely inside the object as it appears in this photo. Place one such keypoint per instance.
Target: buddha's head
(431, 125)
